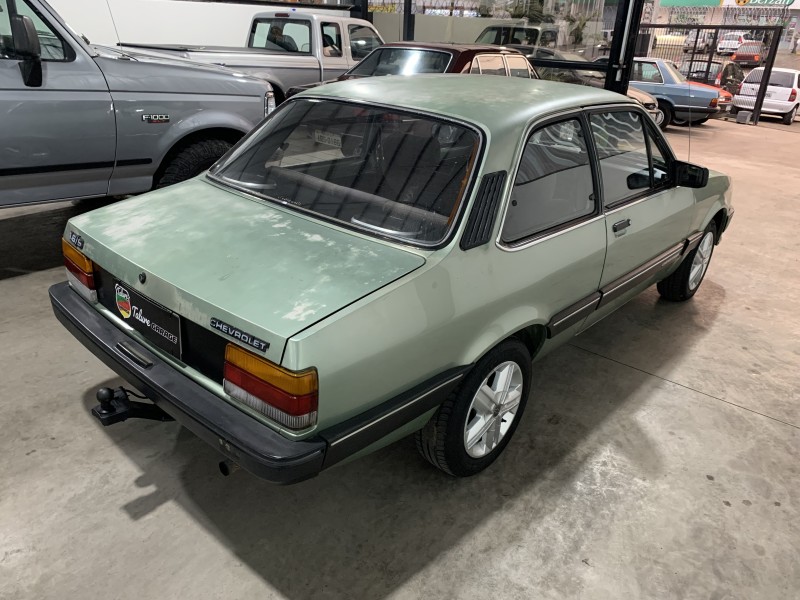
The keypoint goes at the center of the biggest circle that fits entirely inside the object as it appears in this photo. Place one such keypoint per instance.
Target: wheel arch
(228, 134)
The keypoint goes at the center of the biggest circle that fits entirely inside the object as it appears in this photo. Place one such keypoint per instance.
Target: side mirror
(26, 40)
(639, 180)
(28, 48)
(689, 175)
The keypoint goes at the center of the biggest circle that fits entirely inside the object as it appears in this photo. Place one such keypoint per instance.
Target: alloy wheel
(493, 409)
(701, 259)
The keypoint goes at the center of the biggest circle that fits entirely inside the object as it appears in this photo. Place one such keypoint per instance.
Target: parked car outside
(729, 42)
(298, 306)
(698, 41)
(580, 77)
(750, 54)
(724, 74)
(84, 121)
(781, 97)
(680, 101)
(415, 58)
(673, 38)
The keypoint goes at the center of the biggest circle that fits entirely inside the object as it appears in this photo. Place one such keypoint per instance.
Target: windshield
(386, 172)
(401, 61)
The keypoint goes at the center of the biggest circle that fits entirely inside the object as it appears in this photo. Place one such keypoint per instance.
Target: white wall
(163, 21)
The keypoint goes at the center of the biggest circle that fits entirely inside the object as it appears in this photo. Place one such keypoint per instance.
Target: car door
(57, 132)
(647, 218)
(553, 232)
(334, 61)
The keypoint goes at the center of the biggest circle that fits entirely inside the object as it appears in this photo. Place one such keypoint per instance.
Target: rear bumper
(238, 436)
(774, 107)
(696, 113)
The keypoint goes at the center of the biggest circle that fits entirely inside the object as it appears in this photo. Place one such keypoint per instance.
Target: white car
(782, 97)
(729, 42)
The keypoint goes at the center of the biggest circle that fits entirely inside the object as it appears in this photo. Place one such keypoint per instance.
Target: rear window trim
(464, 201)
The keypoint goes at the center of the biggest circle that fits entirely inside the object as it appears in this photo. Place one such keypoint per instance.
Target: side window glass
(363, 40)
(492, 64)
(518, 67)
(331, 40)
(650, 73)
(622, 152)
(554, 183)
(660, 162)
(549, 39)
(53, 47)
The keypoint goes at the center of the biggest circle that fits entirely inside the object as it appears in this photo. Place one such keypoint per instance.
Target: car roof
(499, 104)
(778, 69)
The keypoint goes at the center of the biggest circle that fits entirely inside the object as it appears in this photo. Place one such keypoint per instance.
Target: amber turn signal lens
(75, 256)
(296, 383)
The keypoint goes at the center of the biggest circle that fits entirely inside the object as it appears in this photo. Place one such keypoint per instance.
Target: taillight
(80, 271)
(757, 57)
(713, 103)
(287, 397)
(793, 95)
(734, 56)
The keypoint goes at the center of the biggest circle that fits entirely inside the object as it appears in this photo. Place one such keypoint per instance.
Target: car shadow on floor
(31, 241)
(363, 529)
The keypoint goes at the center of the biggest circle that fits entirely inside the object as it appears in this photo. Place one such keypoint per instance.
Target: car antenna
(113, 22)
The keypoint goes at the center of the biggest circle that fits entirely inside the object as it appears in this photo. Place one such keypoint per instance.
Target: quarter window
(518, 67)
(554, 184)
(631, 161)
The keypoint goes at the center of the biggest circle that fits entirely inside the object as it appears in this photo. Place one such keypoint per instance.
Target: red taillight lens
(734, 56)
(713, 103)
(86, 279)
(757, 57)
(287, 397)
(793, 95)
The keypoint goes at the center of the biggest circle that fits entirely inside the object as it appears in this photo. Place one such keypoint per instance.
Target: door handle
(621, 225)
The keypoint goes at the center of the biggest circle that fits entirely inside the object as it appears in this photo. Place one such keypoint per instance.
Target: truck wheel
(192, 160)
(474, 425)
(684, 282)
(666, 110)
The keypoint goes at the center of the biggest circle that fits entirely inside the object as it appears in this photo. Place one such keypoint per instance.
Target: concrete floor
(659, 456)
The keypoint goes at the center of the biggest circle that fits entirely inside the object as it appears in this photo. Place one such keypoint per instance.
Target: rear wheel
(686, 280)
(192, 160)
(788, 118)
(474, 425)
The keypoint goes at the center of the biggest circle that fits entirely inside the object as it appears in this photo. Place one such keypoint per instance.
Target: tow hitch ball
(115, 406)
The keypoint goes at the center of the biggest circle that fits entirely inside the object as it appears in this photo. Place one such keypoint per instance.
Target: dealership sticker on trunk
(159, 325)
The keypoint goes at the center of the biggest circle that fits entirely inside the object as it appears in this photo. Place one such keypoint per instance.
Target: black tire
(441, 441)
(666, 109)
(676, 288)
(192, 160)
(734, 110)
(700, 122)
(788, 118)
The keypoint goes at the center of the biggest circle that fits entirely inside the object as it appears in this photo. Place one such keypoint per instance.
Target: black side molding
(481, 218)
(572, 314)
(627, 282)
(364, 429)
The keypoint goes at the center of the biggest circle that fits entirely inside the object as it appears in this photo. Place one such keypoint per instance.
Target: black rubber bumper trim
(238, 436)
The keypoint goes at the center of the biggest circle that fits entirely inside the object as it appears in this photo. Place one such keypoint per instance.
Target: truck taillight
(287, 397)
(80, 271)
(793, 95)
(269, 102)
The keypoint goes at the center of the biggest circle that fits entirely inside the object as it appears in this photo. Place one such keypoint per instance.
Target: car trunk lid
(207, 254)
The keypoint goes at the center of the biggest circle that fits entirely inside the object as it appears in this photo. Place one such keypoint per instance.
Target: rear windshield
(386, 172)
(401, 61)
(699, 68)
(281, 35)
(749, 47)
(776, 78)
(730, 37)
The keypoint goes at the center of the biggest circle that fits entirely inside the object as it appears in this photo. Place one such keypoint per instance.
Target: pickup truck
(82, 121)
(286, 49)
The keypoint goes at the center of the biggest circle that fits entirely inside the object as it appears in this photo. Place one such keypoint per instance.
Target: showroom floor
(659, 456)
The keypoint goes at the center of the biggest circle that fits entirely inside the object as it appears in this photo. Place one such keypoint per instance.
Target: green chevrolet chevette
(385, 257)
